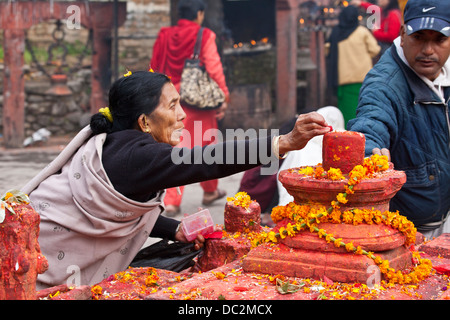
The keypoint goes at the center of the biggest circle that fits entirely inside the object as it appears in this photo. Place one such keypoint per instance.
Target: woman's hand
(220, 113)
(198, 242)
(306, 127)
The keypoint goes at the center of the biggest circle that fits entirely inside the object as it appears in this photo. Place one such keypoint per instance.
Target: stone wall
(138, 34)
(59, 115)
(251, 78)
(64, 115)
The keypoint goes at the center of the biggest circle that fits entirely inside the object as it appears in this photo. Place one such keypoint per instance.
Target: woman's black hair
(129, 98)
(188, 9)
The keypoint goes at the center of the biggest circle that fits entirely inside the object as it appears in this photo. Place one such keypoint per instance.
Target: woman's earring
(147, 130)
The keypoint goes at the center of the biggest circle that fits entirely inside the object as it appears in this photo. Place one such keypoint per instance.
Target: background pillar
(13, 88)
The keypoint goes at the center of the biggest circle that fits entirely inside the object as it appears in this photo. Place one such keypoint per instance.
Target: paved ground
(18, 166)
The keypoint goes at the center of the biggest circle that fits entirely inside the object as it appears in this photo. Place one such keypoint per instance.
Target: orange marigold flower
(342, 198)
(313, 228)
(299, 226)
(347, 217)
(321, 233)
(282, 232)
(380, 163)
(384, 266)
(356, 175)
(335, 174)
(335, 216)
(8, 195)
(151, 280)
(219, 275)
(271, 236)
(307, 171)
(358, 217)
(329, 237)
(335, 204)
(349, 247)
(337, 242)
(349, 190)
(277, 214)
(378, 260)
(319, 173)
(96, 291)
(241, 199)
(290, 230)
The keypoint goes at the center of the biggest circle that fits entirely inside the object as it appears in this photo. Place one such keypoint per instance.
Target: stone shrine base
(342, 267)
(230, 282)
(306, 255)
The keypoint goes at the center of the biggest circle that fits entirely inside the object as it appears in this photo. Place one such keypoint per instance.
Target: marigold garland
(308, 217)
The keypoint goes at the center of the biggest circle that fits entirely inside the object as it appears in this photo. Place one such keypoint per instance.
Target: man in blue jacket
(403, 111)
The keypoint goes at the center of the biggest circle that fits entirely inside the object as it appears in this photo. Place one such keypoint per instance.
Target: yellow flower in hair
(151, 70)
(107, 113)
(127, 74)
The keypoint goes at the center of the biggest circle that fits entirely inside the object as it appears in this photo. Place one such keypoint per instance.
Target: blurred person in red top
(389, 24)
(173, 46)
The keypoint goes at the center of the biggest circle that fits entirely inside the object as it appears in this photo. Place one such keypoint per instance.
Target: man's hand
(382, 152)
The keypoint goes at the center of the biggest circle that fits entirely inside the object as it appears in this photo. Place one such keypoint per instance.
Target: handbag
(174, 256)
(197, 89)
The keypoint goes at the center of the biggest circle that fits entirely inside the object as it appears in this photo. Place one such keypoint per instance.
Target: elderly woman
(101, 198)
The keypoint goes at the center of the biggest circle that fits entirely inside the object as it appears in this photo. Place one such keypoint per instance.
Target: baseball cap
(427, 15)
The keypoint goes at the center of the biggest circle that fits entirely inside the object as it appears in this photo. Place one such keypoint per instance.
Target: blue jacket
(398, 111)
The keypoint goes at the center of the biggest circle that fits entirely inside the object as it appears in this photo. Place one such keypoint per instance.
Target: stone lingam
(21, 259)
(241, 217)
(334, 191)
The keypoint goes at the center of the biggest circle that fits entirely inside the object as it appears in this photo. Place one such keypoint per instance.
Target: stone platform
(230, 282)
(317, 264)
(306, 255)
